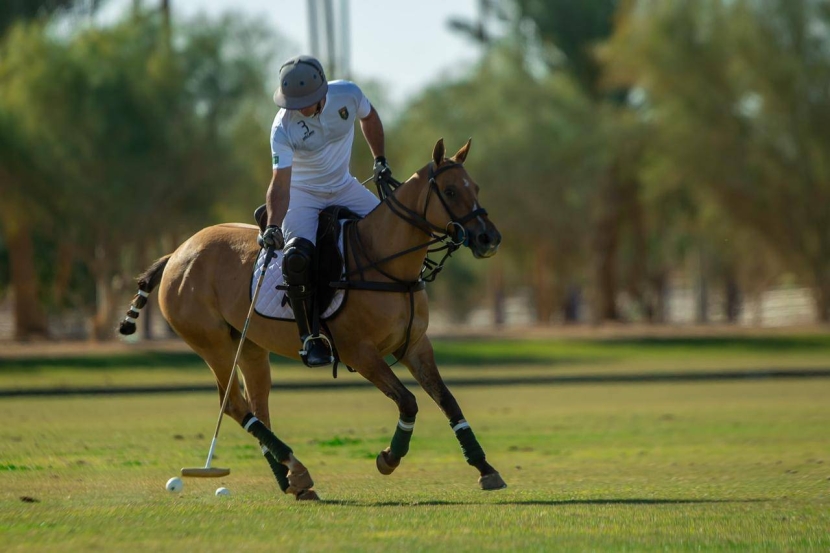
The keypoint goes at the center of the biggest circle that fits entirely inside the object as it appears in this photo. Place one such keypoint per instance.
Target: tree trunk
(733, 298)
(63, 272)
(660, 285)
(541, 284)
(702, 289)
(822, 295)
(29, 317)
(497, 291)
(103, 322)
(605, 245)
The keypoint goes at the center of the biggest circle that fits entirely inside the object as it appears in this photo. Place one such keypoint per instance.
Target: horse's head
(458, 209)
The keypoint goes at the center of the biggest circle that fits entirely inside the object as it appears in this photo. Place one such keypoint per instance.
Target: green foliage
(738, 95)
(121, 136)
(535, 152)
(573, 29)
(12, 11)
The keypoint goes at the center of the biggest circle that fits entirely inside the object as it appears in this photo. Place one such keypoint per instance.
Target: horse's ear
(438, 152)
(461, 154)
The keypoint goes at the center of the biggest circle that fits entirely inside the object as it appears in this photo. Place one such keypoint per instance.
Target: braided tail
(147, 282)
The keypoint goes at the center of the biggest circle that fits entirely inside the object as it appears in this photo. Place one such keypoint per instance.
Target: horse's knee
(408, 405)
(236, 409)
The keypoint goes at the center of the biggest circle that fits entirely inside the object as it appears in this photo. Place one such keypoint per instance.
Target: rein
(452, 237)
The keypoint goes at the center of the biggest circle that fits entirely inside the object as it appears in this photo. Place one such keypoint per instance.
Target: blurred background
(647, 161)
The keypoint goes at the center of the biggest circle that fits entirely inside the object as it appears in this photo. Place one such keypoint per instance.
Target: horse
(203, 293)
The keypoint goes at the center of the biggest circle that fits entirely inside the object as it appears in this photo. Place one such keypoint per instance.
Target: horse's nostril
(483, 239)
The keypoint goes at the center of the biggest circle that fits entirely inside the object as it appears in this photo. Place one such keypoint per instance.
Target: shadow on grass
(537, 502)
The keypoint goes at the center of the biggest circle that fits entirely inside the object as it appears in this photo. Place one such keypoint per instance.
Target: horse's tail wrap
(147, 282)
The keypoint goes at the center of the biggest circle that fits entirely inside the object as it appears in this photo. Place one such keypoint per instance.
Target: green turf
(463, 358)
(716, 466)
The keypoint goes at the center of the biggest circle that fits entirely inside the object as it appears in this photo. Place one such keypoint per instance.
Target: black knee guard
(297, 268)
(297, 264)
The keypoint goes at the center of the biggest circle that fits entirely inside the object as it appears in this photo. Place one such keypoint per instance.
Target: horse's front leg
(420, 360)
(371, 365)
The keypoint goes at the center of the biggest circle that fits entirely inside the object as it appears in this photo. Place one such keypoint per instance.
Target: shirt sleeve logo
(344, 113)
(275, 159)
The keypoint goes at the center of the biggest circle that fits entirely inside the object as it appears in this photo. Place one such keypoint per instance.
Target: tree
(741, 96)
(534, 145)
(14, 11)
(138, 143)
(15, 169)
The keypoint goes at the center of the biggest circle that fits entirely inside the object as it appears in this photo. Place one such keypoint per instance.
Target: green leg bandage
(403, 433)
(469, 445)
(276, 446)
(280, 471)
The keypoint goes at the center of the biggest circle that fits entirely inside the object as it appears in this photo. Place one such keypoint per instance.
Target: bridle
(454, 231)
(452, 237)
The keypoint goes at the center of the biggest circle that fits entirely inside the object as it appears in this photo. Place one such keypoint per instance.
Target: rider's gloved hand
(382, 172)
(271, 238)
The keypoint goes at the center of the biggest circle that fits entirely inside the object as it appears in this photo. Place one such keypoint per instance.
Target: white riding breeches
(304, 208)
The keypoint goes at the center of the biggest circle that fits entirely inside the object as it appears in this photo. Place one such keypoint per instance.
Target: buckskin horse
(204, 294)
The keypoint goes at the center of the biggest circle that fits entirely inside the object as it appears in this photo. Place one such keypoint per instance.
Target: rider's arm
(278, 194)
(372, 128)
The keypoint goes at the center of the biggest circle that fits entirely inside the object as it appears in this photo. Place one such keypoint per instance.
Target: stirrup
(310, 339)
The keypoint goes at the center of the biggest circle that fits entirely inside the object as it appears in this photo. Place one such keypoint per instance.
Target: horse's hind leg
(420, 360)
(292, 476)
(217, 346)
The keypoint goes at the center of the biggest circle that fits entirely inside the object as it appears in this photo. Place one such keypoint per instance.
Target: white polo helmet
(302, 83)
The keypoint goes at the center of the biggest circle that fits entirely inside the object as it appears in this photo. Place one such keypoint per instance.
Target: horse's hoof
(299, 482)
(384, 464)
(307, 495)
(491, 481)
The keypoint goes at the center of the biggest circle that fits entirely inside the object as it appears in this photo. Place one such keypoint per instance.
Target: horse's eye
(449, 192)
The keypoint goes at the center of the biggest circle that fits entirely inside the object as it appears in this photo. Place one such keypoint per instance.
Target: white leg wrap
(249, 423)
(407, 426)
(461, 426)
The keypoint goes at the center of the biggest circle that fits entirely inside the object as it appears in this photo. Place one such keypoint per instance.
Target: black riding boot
(297, 268)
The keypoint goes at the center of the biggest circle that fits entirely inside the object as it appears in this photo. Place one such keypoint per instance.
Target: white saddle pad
(269, 304)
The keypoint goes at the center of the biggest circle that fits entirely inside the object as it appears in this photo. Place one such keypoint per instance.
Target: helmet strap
(319, 108)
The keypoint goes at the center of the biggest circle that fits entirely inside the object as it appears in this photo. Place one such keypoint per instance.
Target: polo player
(311, 143)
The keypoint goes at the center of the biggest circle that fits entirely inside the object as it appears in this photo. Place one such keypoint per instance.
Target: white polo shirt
(318, 149)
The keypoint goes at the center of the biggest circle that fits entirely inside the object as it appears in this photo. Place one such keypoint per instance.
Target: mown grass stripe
(709, 376)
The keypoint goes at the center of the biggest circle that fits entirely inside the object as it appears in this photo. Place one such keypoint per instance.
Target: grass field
(716, 466)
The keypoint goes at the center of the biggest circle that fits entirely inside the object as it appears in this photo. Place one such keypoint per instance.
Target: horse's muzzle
(485, 244)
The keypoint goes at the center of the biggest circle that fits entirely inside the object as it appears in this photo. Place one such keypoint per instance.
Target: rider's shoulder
(344, 88)
(281, 122)
(282, 118)
(280, 127)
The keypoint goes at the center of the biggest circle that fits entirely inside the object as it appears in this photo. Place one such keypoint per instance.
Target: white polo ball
(223, 491)
(175, 485)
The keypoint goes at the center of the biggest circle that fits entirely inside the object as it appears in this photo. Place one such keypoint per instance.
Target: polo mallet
(213, 472)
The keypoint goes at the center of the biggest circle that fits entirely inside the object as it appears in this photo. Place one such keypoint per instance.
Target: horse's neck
(384, 234)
